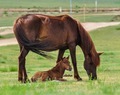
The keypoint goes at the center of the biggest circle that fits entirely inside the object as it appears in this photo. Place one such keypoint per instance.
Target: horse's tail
(24, 41)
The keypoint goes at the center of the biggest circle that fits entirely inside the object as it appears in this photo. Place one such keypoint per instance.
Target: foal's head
(66, 64)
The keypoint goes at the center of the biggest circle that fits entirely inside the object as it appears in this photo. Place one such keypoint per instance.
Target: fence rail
(61, 10)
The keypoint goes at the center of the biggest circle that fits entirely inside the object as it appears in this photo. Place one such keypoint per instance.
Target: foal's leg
(72, 48)
(22, 75)
(60, 54)
(61, 79)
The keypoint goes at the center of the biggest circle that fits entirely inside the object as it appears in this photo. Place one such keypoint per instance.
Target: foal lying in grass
(56, 73)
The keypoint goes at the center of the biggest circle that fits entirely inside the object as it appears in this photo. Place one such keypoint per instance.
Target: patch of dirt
(92, 26)
(6, 30)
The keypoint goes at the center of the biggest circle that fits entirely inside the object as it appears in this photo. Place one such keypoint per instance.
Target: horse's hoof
(26, 81)
(78, 79)
(19, 79)
(94, 78)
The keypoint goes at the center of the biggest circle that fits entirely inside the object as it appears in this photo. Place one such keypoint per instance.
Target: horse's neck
(58, 69)
(86, 43)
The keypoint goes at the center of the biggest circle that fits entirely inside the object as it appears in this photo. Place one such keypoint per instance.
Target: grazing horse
(39, 33)
(56, 73)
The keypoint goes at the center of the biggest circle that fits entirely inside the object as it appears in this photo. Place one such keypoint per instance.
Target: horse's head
(66, 63)
(90, 64)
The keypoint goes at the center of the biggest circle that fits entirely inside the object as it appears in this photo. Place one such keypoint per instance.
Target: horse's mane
(87, 45)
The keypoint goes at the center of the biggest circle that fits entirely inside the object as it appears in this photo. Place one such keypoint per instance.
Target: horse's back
(27, 26)
(45, 32)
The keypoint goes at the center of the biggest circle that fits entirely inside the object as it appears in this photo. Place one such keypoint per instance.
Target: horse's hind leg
(22, 75)
(72, 48)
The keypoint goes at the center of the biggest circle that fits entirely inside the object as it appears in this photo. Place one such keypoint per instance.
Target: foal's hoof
(33, 79)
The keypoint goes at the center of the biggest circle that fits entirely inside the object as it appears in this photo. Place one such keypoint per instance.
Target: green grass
(7, 18)
(94, 18)
(56, 3)
(98, 17)
(7, 36)
(106, 40)
(7, 21)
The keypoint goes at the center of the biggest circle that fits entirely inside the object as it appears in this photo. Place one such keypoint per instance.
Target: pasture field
(106, 40)
(57, 3)
(7, 19)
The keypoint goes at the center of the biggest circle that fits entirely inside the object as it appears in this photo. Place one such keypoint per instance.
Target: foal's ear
(100, 53)
(68, 57)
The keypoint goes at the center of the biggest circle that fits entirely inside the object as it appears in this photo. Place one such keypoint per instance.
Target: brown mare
(38, 33)
(56, 73)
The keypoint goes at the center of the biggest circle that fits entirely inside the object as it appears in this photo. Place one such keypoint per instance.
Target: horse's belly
(51, 46)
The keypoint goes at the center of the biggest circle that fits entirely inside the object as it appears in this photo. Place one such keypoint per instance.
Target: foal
(56, 73)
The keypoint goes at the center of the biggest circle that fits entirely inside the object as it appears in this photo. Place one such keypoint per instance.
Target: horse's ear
(68, 57)
(100, 53)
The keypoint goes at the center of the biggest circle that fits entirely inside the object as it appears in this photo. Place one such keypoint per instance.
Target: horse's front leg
(72, 48)
(60, 54)
(22, 75)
